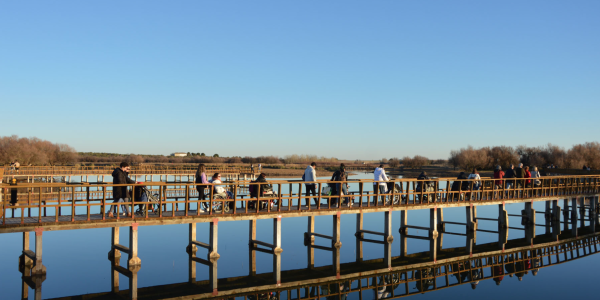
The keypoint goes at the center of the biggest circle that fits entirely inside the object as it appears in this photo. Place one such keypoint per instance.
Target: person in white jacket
(379, 175)
(311, 175)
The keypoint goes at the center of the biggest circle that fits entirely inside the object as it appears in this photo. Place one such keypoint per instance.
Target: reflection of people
(425, 279)
(522, 267)
(535, 264)
(497, 271)
(331, 291)
(386, 285)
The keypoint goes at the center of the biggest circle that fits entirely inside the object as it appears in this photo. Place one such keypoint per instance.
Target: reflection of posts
(433, 234)
(388, 239)
(556, 211)
(30, 265)
(359, 237)
(130, 273)
(336, 244)
(310, 241)
(403, 232)
(574, 217)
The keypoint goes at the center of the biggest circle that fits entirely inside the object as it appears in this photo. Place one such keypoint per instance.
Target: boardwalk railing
(107, 170)
(46, 202)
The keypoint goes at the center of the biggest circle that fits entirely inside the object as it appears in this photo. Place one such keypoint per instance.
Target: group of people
(520, 172)
(260, 187)
(15, 165)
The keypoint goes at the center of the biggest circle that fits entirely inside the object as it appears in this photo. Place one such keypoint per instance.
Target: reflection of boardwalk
(408, 276)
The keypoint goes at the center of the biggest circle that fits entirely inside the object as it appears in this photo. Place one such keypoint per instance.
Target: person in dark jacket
(520, 173)
(120, 176)
(340, 175)
(264, 190)
(459, 186)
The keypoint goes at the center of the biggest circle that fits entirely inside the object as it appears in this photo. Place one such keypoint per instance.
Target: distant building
(179, 154)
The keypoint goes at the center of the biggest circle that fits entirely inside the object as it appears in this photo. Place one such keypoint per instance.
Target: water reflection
(409, 275)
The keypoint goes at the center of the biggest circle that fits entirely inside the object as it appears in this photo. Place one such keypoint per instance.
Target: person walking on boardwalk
(510, 173)
(310, 175)
(17, 166)
(340, 175)
(252, 168)
(379, 175)
(120, 176)
(201, 178)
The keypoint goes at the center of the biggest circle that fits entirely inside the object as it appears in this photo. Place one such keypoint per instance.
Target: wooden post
(574, 217)
(530, 224)
(114, 240)
(336, 244)
(593, 214)
(359, 235)
(213, 255)
(134, 260)
(191, 267)
(389, 238)
(310, 241)
(133, 280)
(192, 248)
(252, 253)
(502, 226)
(433, 234)
(403, 232)
(556, 211)
(39, 268)
(26, 260)
(566, 215)
(441, 228)
(547, 217)
(277, 250)
(471, 238)
(470, 220)
(582, 212)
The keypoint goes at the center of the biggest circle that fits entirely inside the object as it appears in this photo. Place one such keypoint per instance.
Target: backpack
(252, 189)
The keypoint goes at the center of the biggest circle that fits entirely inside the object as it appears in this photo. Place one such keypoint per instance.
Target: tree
(216, 155)
(394, 162)
(202, 154)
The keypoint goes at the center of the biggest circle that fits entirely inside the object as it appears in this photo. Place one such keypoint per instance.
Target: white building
(179, 154)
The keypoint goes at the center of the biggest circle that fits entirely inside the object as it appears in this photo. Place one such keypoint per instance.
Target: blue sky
(348, 79)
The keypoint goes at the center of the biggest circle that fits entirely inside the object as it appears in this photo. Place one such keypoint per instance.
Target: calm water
(77, 260)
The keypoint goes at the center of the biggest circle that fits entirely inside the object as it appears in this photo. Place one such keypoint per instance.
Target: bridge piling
(39, 268)
(336, 244)
(252, 254)
(574, 217)
(213, 255)
(359, 236)
(277, 250)
(389, 239)
(566, 214)
(441, 228)
(403, 232)
(433, 234)
(310, 241)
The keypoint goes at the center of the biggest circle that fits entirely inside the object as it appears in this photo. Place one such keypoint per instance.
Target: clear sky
(348, 79)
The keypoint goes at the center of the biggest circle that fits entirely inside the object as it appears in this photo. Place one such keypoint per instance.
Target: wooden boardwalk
(571, 211)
